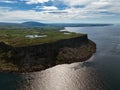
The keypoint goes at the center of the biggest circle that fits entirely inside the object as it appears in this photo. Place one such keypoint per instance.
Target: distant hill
(22, 25)
(33, 24)
(79, 25)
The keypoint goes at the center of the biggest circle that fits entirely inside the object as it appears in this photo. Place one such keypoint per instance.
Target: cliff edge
(43, 56)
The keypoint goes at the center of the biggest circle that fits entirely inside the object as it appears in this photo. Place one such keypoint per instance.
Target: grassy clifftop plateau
(32, 36)
(35, 50)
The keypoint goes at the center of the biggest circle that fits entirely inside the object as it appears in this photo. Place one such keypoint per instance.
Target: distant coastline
(33, 24)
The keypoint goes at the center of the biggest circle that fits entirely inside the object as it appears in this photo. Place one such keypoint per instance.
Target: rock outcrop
(43, 56)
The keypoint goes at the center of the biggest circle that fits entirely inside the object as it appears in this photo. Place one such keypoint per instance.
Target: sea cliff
(43, 56)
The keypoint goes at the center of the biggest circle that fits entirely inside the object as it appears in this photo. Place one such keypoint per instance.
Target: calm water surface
(100, 72)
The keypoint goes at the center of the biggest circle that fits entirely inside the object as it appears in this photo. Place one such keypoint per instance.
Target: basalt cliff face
(43, 56)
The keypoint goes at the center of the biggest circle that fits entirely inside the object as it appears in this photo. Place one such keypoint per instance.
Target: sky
(60, 11)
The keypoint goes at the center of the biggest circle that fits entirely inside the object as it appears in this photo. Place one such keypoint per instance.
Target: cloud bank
(62, 10)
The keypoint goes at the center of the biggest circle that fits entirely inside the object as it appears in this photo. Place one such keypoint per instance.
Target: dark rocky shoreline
(43, 56)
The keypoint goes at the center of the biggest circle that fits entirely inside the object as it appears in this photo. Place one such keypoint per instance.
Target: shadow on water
(9, 81)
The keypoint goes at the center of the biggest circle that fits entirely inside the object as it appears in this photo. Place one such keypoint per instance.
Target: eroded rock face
(4, 47)
(76, 54)
(40, 57)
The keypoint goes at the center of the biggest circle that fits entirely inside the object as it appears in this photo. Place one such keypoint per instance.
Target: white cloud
(46, 8)
(4, 9)
(19, 15)
(93, 9)
(95, 5)
(105, 5)
(66, 15)
(100, 3)
(32, 15)
(35, 1)
(8, 1)
(77, 2)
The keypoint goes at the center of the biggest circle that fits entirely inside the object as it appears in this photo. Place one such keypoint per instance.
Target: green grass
(16, 37)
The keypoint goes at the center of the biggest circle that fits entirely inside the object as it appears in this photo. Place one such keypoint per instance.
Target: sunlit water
(100, 72)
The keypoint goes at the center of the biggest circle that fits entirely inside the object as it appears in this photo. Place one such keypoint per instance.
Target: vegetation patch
(33, 36)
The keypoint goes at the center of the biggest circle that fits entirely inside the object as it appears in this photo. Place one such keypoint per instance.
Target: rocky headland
(43, 56)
